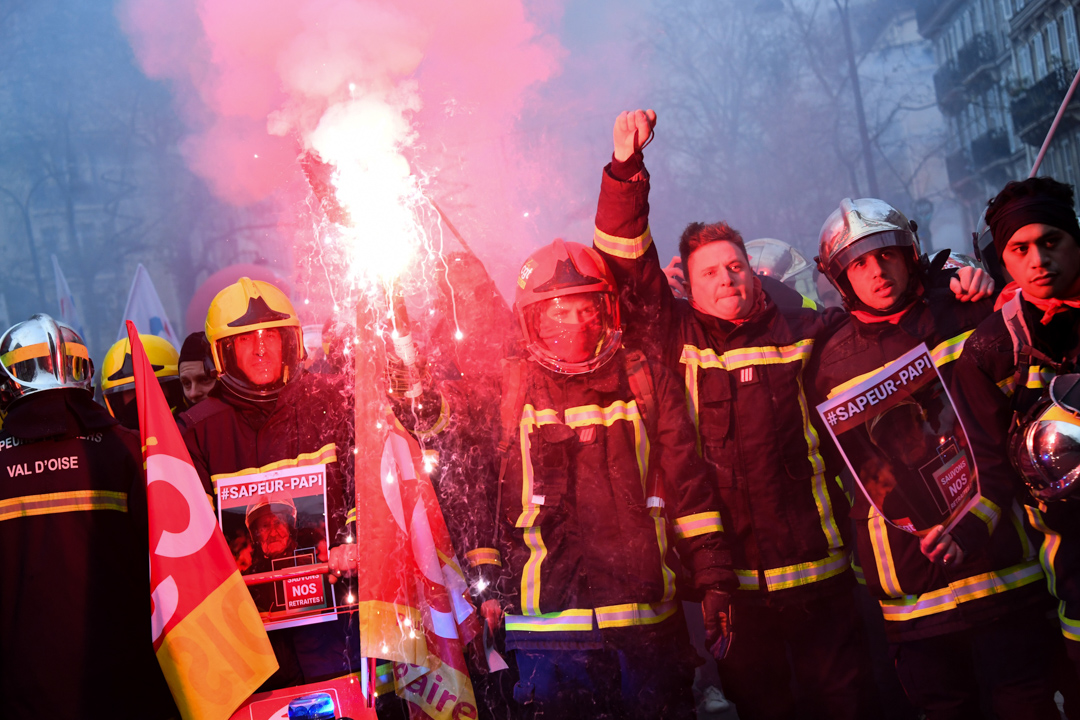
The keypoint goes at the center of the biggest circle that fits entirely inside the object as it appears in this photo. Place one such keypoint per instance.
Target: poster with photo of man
(905, 445)
(275, 522)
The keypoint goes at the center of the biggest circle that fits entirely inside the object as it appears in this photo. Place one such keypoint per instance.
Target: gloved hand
(493, 614)
(716, 608)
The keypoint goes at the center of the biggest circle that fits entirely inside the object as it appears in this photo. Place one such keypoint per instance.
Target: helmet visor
(846, 255)
(259, 363)
(573, 333)
(1051, 462)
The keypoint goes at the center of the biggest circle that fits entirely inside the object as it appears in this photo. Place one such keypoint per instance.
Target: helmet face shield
(257, 364)
(575, 333)
(42, 354)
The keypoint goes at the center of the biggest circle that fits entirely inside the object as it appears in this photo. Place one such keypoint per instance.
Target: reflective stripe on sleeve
(484, 556)
(950, 350)
(947, 598)
(1069, 628)
(748, 579)
(987, 511)
(808, 572)
(699, 524)
(627, 248)
(62, 502)
(655, 506)
(632, 614)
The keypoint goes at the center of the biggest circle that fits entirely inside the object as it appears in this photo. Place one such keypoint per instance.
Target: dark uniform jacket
(74, 566)
(1000, 571)
(310, 423)
(990, 388)
(594, 495)
(785, 521)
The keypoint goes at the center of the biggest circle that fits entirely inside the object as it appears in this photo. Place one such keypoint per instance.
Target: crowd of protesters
(650, 446)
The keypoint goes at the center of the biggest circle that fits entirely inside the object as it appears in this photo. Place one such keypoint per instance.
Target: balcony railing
(1034, 108)
(977, 57)
(950, 95)
(990, 148)
(958, 166)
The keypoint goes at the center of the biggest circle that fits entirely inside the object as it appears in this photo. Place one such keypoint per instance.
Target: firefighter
(599, 480)
(118, 380)
(196, 369)
(266, 411)
(742, 359)
(989, 632)
(1010, 360)
(74, 590)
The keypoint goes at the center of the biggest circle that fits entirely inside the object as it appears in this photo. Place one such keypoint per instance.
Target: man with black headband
(945, 643)
(1015, 353)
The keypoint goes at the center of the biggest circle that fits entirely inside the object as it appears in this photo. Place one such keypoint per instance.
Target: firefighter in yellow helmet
(267, 411)
(118, 380)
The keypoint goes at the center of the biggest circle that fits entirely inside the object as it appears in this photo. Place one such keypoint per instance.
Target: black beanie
(195, 348)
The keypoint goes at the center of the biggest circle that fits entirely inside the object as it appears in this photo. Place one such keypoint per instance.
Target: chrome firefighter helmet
(982, 241)
(263, 314)
(1045, 446)
(567, 304)
(42, 354)
(856, 228)
(775, 258)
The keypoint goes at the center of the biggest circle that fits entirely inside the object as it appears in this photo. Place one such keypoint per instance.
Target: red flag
(208, 637)
(412, 593)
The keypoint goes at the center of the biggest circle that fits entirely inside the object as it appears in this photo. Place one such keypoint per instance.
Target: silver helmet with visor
(42, 354)
(1045, 446)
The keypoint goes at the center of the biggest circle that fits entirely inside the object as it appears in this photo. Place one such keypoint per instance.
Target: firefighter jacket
(596, 490)
(309, 424)
(993, 388)
(74, 589)
(1000, 571)
(785, 522)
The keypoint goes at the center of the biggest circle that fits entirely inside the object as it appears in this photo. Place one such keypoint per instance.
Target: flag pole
(1054, 125)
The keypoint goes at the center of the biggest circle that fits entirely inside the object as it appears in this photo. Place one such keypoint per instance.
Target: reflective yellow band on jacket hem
(323, 456)
(62, 502)
(699, 524)
(809, 572)
(567, 620)
(748, 579)
(484, 556)
(626, 248)
(972, 588)
(633, 614)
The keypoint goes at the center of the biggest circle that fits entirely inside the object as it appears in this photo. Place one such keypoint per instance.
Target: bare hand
(675, 277)
(632, 131)
(939, 547)
(342, 561)
(493, 614)
(972, 284)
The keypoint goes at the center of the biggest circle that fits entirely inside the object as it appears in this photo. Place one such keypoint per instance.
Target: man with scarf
(999, 378)
(946, 636)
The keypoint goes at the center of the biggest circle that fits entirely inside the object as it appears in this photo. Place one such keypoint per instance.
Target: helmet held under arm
(567, 304)
(1044, 446)
(251, 306)
(42, 354)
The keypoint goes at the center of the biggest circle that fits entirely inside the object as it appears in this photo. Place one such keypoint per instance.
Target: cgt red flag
(207, 633)
(412, 607)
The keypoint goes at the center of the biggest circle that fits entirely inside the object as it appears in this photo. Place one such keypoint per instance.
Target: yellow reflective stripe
(323, 456)
(808, 572)
(27, 352)
(748, 579)
(567, 620)
(440, 424)
(530, 578)
(692, 401)
(883, 559)
(350, 517)
(484, 556)
(1016, 515)
(1048, 551)
(384, 678)
(1069, 628)
(987, 511)
(1038, 378)
(530, 418)
(61, 502)
(698, 524)
(860, 576)
(949, 350)
(745, 357)
(619, 410)
(808, 303)
(943, 354)
(628, 248)
(817, 480)
(655, 505)
(1008, 386)
(632, 614)
(961, 591)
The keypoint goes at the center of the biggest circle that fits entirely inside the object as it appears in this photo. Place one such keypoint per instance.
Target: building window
(1053, 42)
(1023, 56)
(1006, 9)
(1068, 21)
(1040, 56)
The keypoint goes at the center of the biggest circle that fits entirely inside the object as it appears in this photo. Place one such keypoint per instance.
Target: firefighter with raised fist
(967, 614)
(266, 413)
(74, 587)
(600, 482)
(1012, 383)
